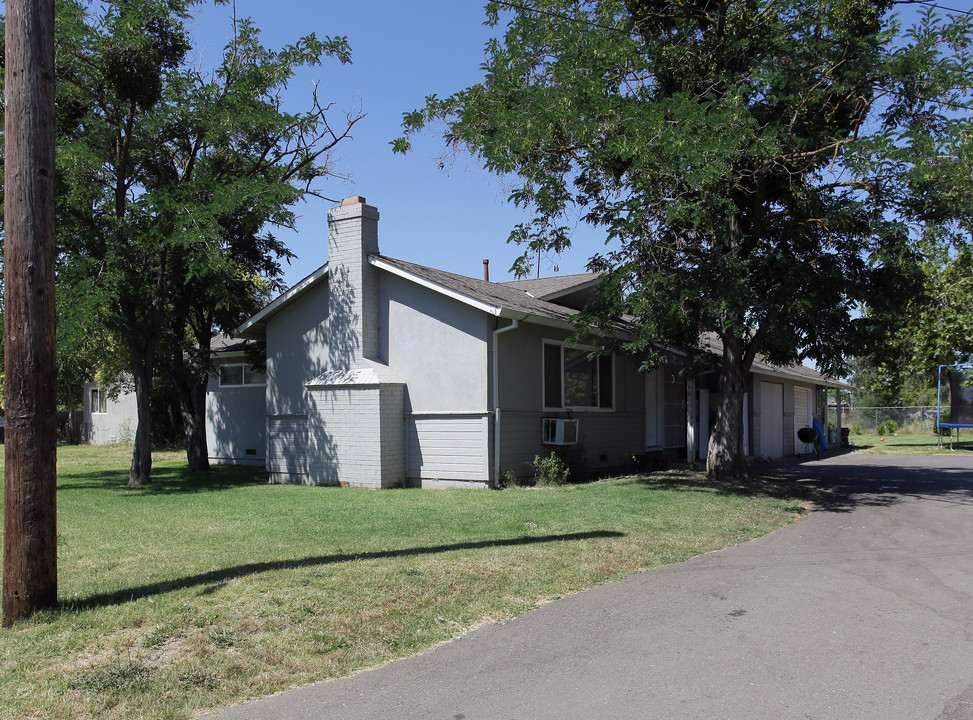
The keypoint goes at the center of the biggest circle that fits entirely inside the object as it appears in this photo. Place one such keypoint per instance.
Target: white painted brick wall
(358, 435)
(357, 432)
(352, 236)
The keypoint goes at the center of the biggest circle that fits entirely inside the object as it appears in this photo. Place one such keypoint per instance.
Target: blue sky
(448, 218)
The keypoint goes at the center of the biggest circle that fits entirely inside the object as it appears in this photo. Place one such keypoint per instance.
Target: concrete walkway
(863, 610)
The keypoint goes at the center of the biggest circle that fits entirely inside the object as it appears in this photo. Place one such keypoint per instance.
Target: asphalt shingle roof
(551, 286)
(500, 295)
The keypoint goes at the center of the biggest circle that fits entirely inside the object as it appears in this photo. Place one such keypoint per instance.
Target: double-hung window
(238, 375)
(574, 379)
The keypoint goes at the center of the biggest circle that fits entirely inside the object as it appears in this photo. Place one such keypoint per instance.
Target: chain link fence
(916, 418)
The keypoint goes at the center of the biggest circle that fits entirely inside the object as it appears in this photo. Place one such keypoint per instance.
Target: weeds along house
(383, 373)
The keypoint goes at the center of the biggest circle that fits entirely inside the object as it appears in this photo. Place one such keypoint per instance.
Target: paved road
(863, 610)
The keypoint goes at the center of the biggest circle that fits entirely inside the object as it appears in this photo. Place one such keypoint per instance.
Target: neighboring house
(382, 373)
(109, 420)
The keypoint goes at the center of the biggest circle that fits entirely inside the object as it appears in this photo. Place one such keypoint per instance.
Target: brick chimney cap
(353, 200)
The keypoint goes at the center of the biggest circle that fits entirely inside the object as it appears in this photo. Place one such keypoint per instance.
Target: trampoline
(960, 406)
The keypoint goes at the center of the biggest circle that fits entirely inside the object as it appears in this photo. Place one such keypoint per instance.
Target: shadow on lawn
(165, 480)
(768, 485)
(210, 581)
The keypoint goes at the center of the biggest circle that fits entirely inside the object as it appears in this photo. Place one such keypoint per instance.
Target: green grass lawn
(926, 443)
(192, 594)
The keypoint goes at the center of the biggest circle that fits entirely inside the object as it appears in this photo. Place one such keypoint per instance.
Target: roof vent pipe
(486, 270)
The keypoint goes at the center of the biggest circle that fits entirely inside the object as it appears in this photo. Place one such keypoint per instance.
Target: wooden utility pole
(30, 475)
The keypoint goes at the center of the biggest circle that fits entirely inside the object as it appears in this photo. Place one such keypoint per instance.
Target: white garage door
(771, 420)
(802, 412)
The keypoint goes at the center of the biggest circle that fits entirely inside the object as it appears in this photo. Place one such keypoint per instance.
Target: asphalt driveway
(863, 610)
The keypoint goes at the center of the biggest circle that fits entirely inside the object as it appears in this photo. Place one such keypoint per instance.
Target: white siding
(448, 447)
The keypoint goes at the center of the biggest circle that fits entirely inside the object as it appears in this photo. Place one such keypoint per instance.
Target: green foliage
(887, 427)
(759, 169)
(551, 469)
(509, 480)
(170, 177)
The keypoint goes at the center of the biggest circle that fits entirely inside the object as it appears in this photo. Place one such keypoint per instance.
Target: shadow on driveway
(847, 480)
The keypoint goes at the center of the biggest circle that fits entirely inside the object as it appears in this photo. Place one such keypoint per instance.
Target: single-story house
(382, 373)
(109, 420)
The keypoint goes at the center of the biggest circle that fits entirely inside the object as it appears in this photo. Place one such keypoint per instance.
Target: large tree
(932, 330)
(757, 164)
(168, 175)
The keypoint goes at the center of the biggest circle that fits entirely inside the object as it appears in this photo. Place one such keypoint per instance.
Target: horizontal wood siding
(287, 445)
(446, 447)
(520, 441)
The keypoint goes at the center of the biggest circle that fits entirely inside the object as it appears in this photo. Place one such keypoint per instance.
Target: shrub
(551, 470)
(856, 430)
(887, 427)
(509, 479)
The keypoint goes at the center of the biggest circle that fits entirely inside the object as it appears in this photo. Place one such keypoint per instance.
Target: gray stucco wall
(437, 344)
(236, 424)
(297, 351)
(440, 348)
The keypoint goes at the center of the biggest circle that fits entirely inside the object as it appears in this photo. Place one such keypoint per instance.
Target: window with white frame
(99, 403)
(239, 375)
(577, 380)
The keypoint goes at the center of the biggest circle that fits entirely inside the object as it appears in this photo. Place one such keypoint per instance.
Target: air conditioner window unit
(559, 431)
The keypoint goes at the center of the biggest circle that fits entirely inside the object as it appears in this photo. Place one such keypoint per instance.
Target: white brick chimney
(356, 433)
(353, 287)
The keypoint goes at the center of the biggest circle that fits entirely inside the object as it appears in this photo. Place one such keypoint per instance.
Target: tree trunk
(726, 456)
(191, 391)
(142, 450)
(71, 427)
(30, 473)
(193, 405)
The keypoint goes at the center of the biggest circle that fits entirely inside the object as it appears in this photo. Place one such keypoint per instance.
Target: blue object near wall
(822, 438)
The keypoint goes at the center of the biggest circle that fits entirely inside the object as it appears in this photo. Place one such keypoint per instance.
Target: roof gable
(253, 327)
